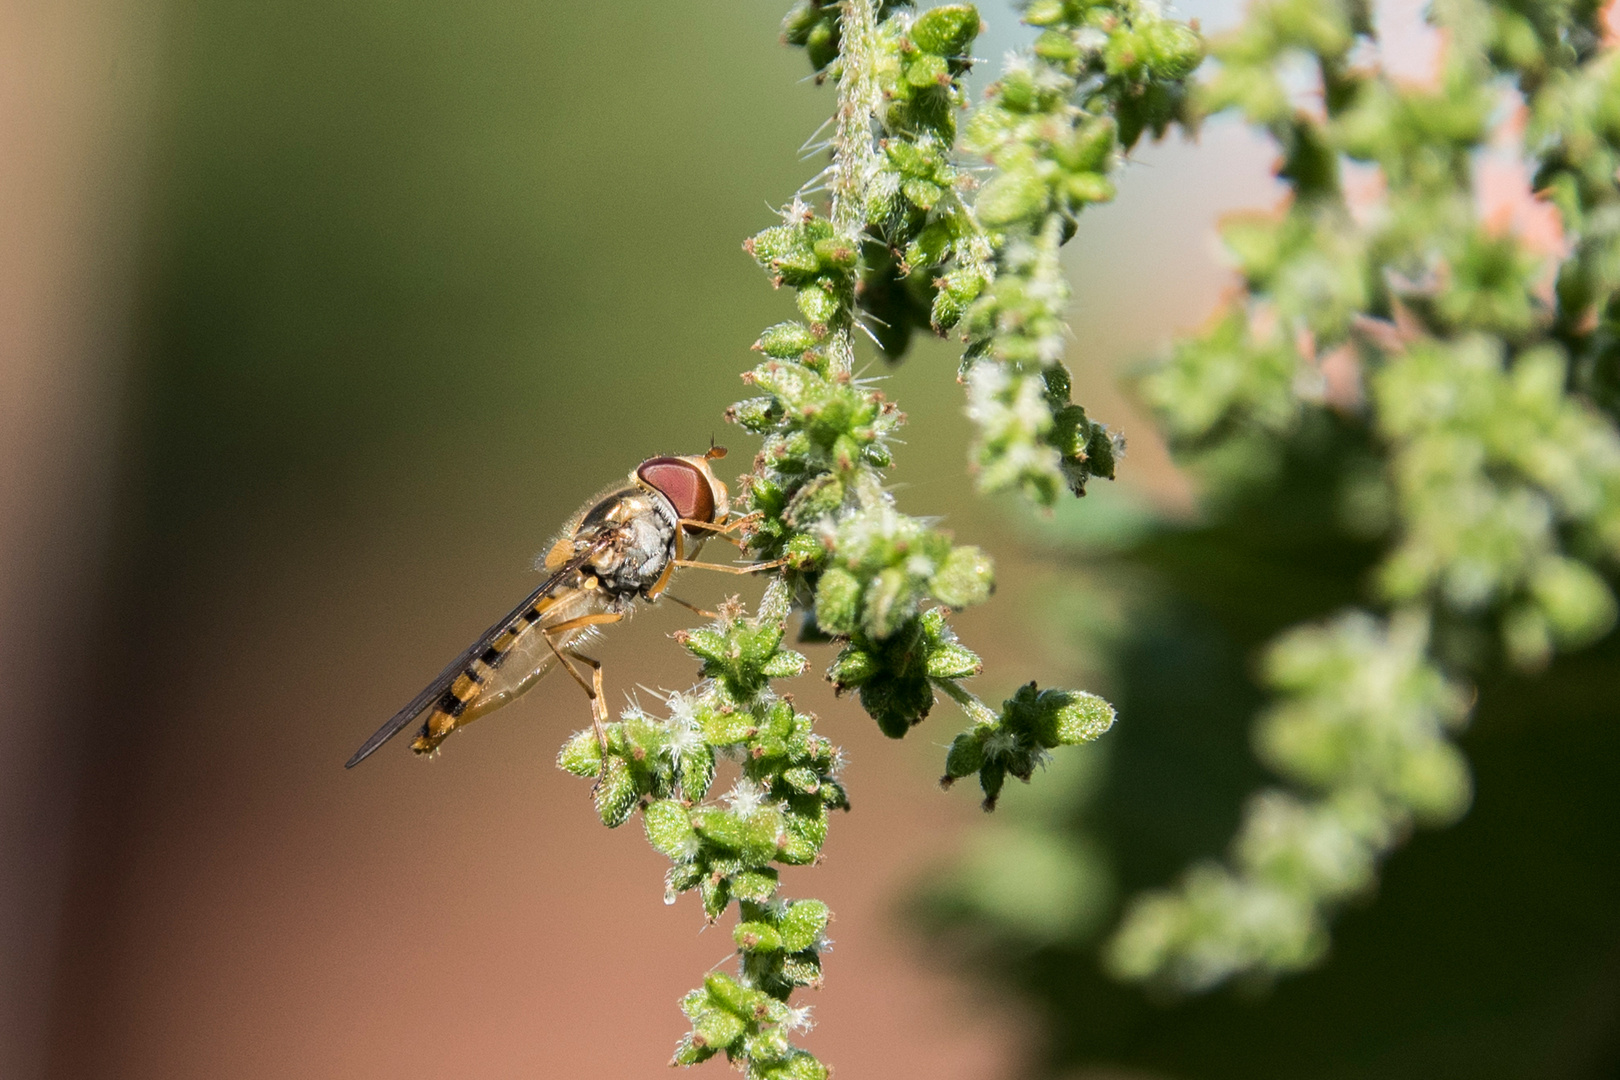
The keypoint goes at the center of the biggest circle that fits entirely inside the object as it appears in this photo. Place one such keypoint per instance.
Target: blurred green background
(397, 285)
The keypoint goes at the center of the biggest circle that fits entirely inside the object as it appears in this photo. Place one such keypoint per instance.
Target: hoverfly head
(689, 484)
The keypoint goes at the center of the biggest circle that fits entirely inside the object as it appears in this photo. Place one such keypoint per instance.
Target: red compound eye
(683, 484)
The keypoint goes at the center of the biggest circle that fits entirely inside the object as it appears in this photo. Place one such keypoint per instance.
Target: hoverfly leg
(693, 607)
(598, 711)
(722, 532)
(583, 685)
(593, 689)
(752, 568)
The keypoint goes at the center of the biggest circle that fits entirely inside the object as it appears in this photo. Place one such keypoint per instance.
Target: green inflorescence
(1055, 126)
(776, 814)
(934, 257)
(895, 248)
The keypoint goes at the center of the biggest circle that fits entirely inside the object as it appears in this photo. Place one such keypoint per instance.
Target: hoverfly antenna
(715, 453)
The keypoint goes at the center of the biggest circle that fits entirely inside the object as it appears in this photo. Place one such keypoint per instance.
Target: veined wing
(464, 679)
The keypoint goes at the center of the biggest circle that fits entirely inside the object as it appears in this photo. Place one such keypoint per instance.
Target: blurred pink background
(194, 886)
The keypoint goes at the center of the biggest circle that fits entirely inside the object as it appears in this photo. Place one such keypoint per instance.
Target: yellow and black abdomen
(516, 658)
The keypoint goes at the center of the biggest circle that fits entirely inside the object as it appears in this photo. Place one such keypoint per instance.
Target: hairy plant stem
(977, 710)
(859, 98)
(855, 158)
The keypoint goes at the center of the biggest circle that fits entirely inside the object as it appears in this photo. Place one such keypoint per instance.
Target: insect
(619, 549)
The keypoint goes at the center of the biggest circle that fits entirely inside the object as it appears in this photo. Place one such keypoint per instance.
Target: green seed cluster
(1491, 463)
(870, 575)
(1489, 394)
(1099, 76)
(1365, 721)
(1054, 126)
(1031, 723)
(895, 248)
(775, 814)
(924, 256)
(813, 25)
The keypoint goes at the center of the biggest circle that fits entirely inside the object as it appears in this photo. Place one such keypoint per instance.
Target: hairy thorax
(637, 529)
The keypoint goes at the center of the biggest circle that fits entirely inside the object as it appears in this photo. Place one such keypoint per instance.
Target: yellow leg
(754, 568)
(598, 710)
(693, 607)
(593, 689)
(583, 685)
(721, 532)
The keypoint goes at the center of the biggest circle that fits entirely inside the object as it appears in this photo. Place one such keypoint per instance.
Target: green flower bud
(947, 30)
(582, 754)
(803, 779)
(802, 969)
(1071, 717)
(818, 303)
(836, 253)
(802, 923)
(1045, 13)
(852, 667)
(804, 836)
(756, 885)
(821, 45)
(715, 892)
(1173, 50)
(819, 498)
(756, 414)
(695, 768)
(681, 877)
(888, 603)
(803, 551)
(950, 660)
(615, 795)
(788, 251)
(1087, 148)
(786, 341)
(966, 755)
(1056, 47)
(721, 827)
(926, 69)
(721, 728)
(731, 996)
(838, 597)
(785, 665)
(756, 937)
(991, 779)
(690, 1053)
(1014, 196)
(957, 290)
(966, 578)
(766, 1047)
(669, 829)
(922, 193)
(1088, 187)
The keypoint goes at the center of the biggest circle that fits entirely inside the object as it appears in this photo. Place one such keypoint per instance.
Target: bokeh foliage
(1410, 393)
(1486, 950)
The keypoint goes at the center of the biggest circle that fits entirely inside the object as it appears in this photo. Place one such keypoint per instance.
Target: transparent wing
(529, 658)
(467, 677)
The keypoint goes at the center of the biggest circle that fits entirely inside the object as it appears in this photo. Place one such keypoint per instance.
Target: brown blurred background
(315, 319)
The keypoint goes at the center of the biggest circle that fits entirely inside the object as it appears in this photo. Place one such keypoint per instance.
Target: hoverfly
(620, 548)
